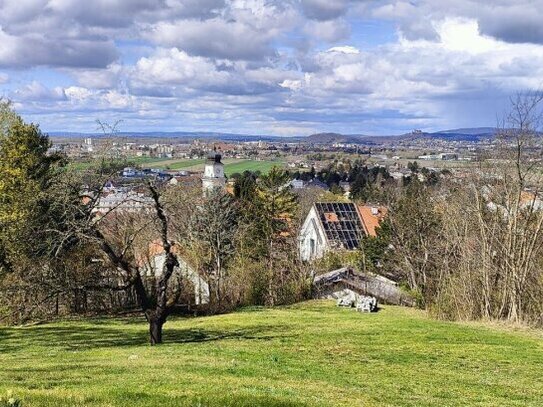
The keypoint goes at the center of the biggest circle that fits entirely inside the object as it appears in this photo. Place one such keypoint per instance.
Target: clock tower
(213, 173)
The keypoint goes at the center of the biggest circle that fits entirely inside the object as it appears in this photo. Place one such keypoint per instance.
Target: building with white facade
(337, 226)
(122, 201)
(154, 266)
(213, 173)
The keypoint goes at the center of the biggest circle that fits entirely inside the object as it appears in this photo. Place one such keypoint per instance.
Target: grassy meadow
(231, 165)
(310, 354)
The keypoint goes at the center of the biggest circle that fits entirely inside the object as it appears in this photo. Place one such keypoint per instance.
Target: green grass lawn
(310, 354)
(231, 165)
(148, 162)
(250, 165)
(184, 164)
(171, 163)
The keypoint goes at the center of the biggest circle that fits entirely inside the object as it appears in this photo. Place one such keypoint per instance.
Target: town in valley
(271, 203)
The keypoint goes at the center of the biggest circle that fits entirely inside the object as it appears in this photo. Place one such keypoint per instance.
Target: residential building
(153, 264)
(337, 226)
(122, 201)
(298, 184)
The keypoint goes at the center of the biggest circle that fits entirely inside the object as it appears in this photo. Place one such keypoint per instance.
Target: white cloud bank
(264, 65)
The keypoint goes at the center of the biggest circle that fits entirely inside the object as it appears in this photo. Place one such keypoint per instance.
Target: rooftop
(341, 223)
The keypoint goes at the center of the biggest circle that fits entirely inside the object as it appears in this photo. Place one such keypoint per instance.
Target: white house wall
(201, 287)
(312, 232)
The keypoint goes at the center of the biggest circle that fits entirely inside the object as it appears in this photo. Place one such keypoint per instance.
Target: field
(310, 354)
(231, 165)
(143, 161)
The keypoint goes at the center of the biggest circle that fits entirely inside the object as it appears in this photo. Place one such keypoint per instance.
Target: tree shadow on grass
(230, 400)
(146, 399)
(79, 337)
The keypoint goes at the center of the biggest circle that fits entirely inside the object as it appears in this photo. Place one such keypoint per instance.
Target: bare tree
(158, 300)
(212, 234)
(493, 226)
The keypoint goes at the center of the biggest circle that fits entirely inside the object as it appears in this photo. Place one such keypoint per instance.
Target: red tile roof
(371, 217)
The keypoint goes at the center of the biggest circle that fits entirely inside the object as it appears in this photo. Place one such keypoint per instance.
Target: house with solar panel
(331, 226)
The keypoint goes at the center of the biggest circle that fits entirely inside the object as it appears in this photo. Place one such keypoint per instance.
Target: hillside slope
(311, 354)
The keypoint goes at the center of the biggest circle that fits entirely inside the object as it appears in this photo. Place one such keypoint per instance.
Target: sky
(275, 67)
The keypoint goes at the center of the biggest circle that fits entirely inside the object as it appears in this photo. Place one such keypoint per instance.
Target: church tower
(213, 173)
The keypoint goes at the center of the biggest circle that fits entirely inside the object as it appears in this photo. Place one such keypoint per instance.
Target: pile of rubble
(362, 303)
(363, 289)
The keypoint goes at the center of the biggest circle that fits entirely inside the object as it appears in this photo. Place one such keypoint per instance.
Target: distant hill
(329, 138)
(476, 131)
(467, 134)
(326, 138)
(189, 135)
(463, 134)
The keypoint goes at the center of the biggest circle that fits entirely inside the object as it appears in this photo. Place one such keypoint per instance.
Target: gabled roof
(316, 183)
(371, 217)
(382, 288)
(155, 248)
(341, 224)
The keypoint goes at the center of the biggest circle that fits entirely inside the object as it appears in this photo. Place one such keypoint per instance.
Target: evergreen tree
(359, 188)
(375, 248)
(274, 211)
(26, 173)
(276, 202)
(245, 186)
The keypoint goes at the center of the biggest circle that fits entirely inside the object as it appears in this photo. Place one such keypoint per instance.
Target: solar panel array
(341, 224)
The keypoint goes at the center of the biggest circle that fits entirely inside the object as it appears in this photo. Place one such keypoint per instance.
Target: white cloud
(509, 21)
(324, 9)
(34, 50)
(345, 49)
(328, 31)
(173, 66)
(290, 84)
(108, 77)
(245, 31)
(464, 35)
(213, 38)
(36, 91)
(284, 66)
(78, 93)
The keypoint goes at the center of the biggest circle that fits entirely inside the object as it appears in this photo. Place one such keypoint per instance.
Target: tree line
(472, 247)
(58, 255)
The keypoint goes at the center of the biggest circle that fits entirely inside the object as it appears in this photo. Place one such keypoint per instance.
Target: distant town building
(440, 156)
(129, 172)
(88, 145)
(122, 201)
(298, 184)
(153, 264)
(213, 173)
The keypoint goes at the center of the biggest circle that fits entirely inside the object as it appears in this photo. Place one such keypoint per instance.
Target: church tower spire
(213, 172)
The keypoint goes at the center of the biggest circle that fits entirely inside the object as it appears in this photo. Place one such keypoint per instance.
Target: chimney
(374, 210)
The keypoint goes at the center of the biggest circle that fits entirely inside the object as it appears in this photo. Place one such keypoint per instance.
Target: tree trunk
(155, 331)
